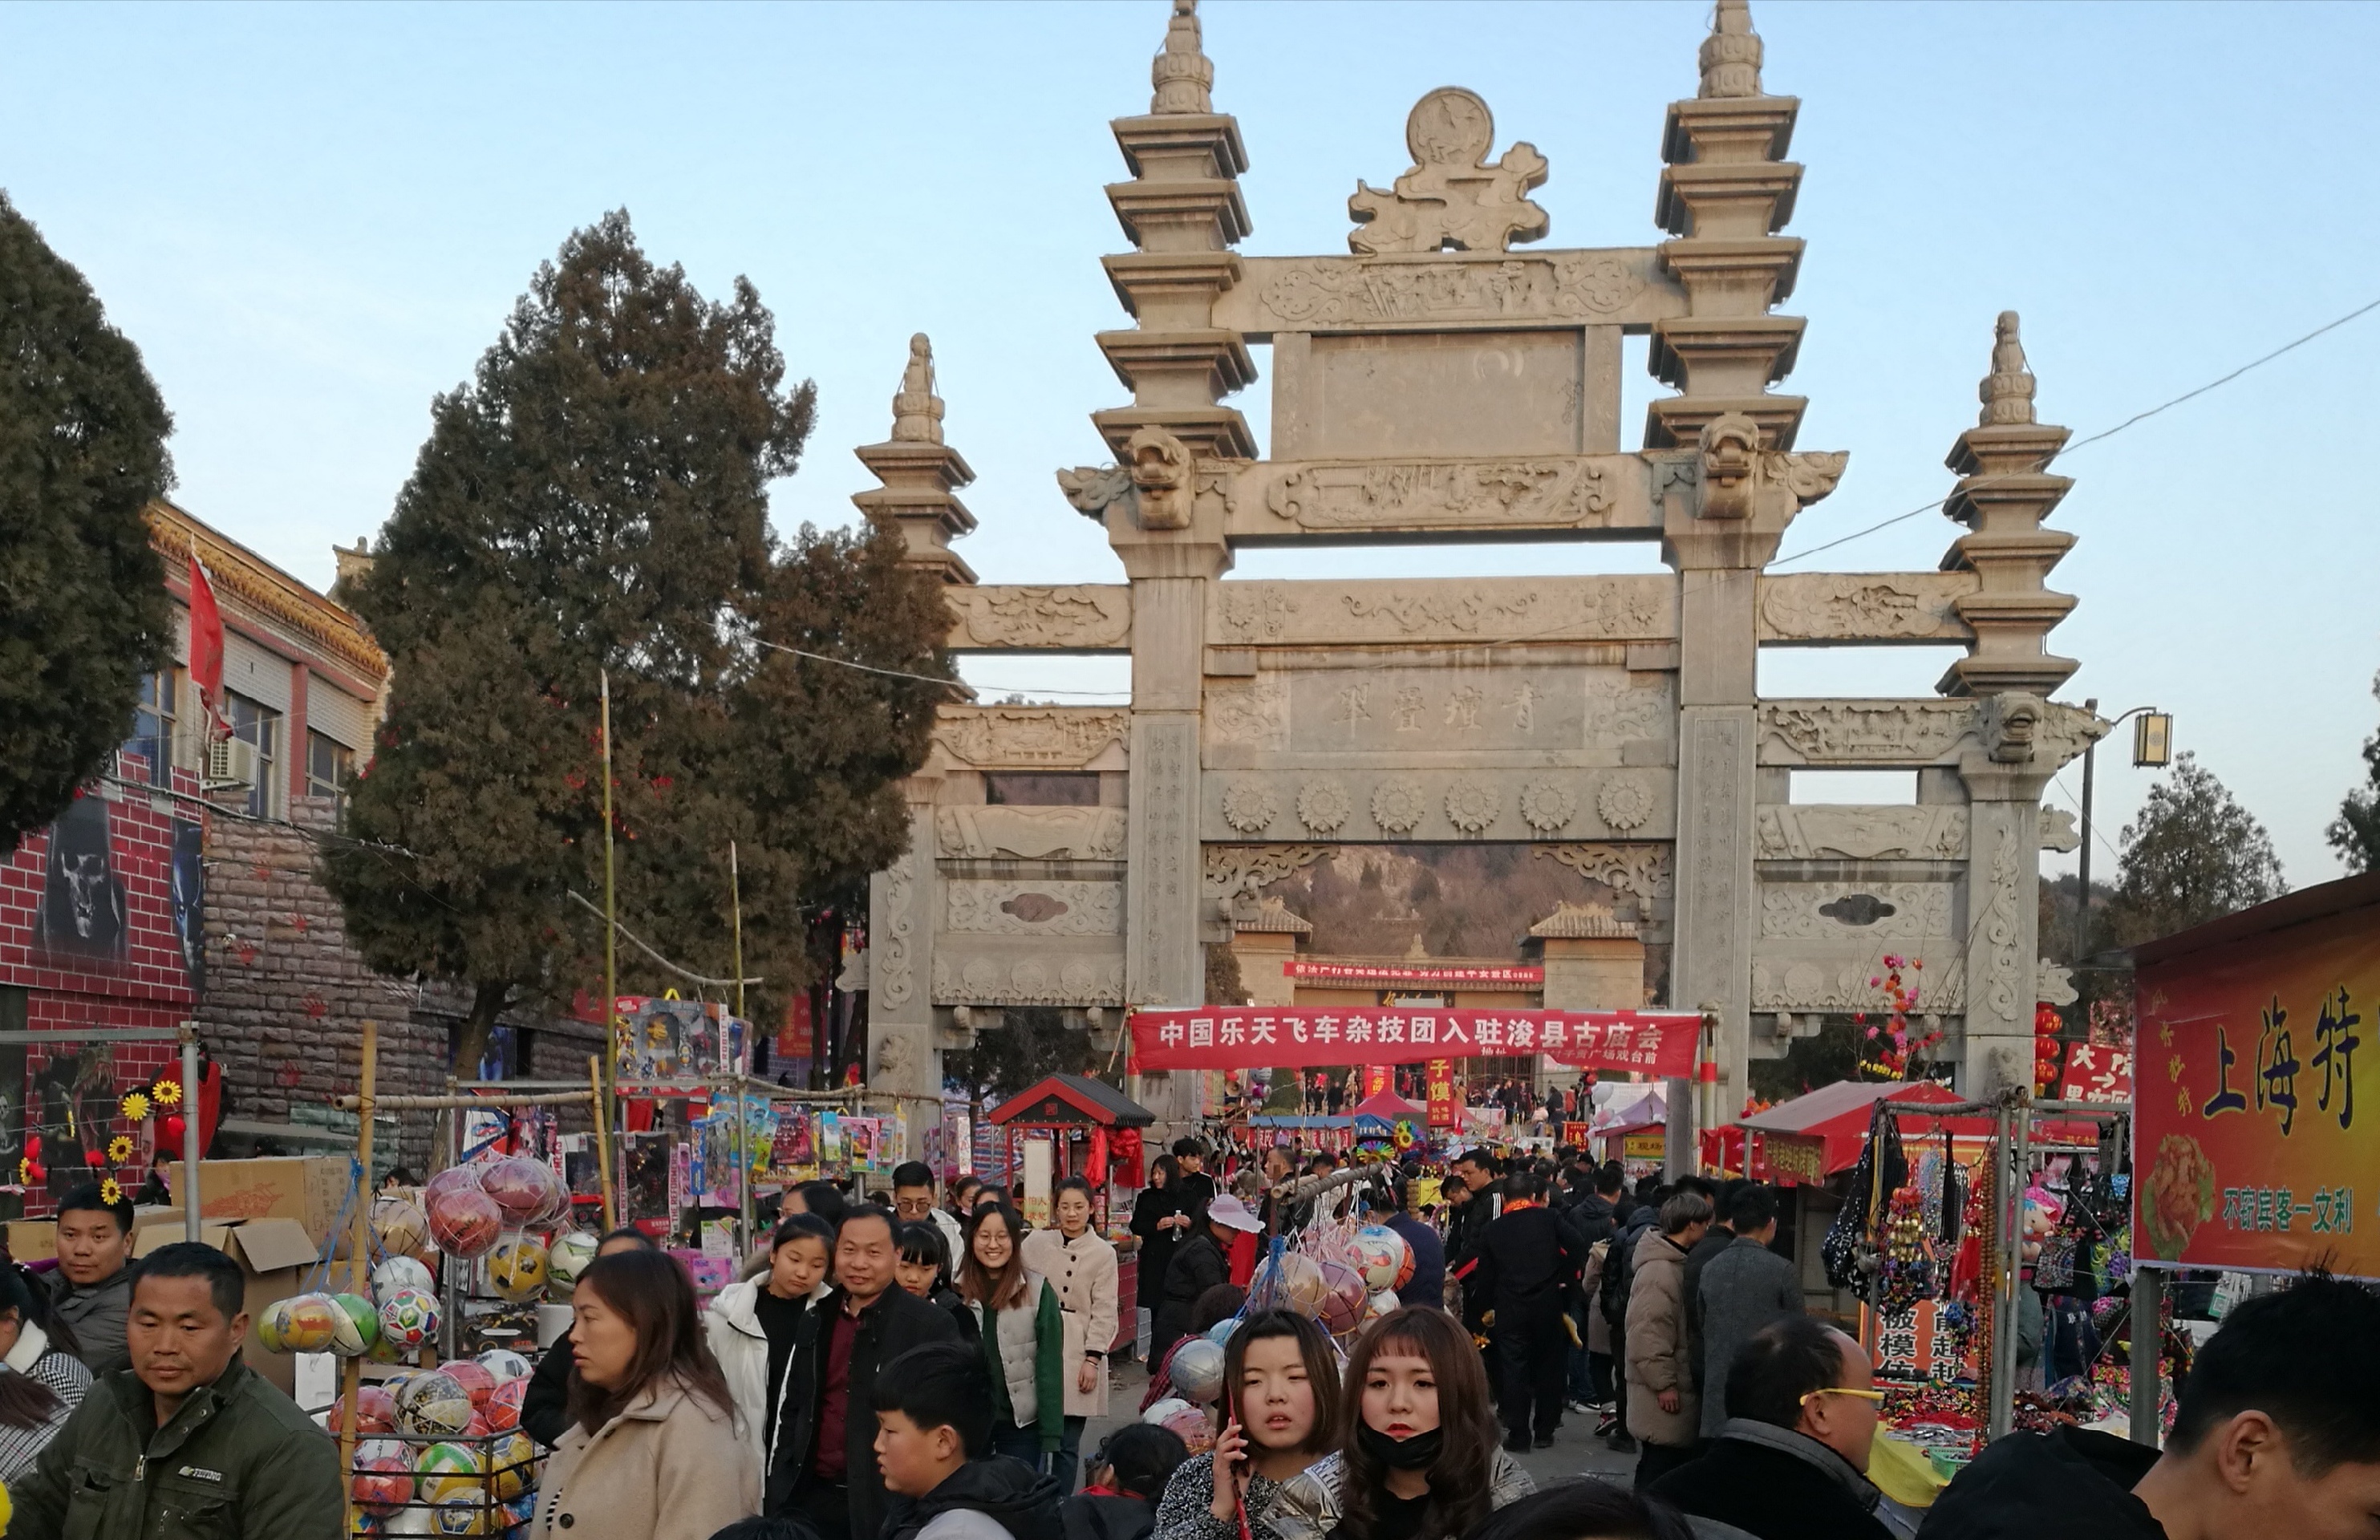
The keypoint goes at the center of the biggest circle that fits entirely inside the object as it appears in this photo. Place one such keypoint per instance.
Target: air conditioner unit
(231, 762)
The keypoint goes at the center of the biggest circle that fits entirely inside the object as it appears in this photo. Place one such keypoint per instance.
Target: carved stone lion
(2010, 723)
(1161, 475)
(1730, 466)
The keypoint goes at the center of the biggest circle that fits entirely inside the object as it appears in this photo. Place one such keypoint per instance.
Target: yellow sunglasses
(1876, 1396)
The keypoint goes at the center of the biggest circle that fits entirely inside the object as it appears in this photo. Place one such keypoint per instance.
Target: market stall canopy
(1812, 1136)
(1381, 1111)
(1073, 1099)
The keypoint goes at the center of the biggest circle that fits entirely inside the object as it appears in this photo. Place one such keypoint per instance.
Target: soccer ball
(400, 1226)
(268, 1326)
(465, 1221)
(505, 1365)
(451, 1472)
(516, 1267)
(384, 1475)
(565, 1259)
(306, 1323)
(375, 1412)
(433, 1406)
(468, 1516)
(472, 1376)
(503, 1408)
(402, 1273)
(357, 1327)
(512, 1466)
(526, 1190)
(1383, 1257)
(408, 1318)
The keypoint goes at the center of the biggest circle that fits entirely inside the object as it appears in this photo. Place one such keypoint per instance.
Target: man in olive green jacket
(187, 1443)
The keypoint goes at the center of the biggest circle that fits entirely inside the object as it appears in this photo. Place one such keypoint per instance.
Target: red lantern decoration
(172, 1129)
(36, 1175)
(33, 1146)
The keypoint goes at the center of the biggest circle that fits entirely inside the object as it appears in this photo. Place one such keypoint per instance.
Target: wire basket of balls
(441, 1451)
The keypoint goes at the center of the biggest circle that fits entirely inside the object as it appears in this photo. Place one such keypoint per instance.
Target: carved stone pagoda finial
(2006, 392)
(1731, 55)
(917, 410)
(1183, 76)
(1451, 197)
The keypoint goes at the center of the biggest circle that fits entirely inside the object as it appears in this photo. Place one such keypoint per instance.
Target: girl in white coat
(1081, 1266)
(751, 1325)
(1018, 1323)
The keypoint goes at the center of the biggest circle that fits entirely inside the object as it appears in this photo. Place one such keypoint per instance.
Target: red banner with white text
(1658, 1043)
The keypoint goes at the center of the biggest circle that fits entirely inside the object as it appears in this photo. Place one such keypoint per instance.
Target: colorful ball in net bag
(308, 1323)
(449, 1472)
(384, 1475)
(1379, 1304)
(408, 1318)
(358, 1327)
(269, 1322)
(516, 1267)
(1295, 1283)
(1190, 1425)
(503, 1408)
(512, 1466)
(1383, 1257)
(463, 1221)
(1220, 1332)
(1157, 1410)
(1343, 1305)
(433, 1406)
(403, 1272)
(565, 1259)
(523, 1188)
(400, 1226)
(472, 1376)
(1197, 1370)
(375, 1411)
(505, 1364)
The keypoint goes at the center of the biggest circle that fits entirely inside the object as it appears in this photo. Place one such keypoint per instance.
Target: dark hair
(912, 1173)
(1459, 1478)
(1070, 1185)
(1525, 1186)
(86, 1197)
(402, 1177)
(966, 1181)
(1321, 1372)
(628, 1232)
(1751, 1208)
(1682, 1209)
(793, 1227)
(42, 1308)
(824, 1199)
(920, 1241)
(1783, 1361)
(1186, 1145)
(782, 1526)
(858, 1212)
(1649, 1188)
(1321, 1157)
(989, 1192)
(1482, 1157)
(1610, 1178)
(24, 1400)
(225, 1282)
(1166, 1166)
(941, 1385)
(2308, 1358)
(652, 1292)
(1703, 1184)
(979, 1285)
(1217, 1301)
(1142, 1457)
(1589, 1508)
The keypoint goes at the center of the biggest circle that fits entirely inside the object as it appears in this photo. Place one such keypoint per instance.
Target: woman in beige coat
(1081, 1266)
(652, 1451)
(1662, 1411)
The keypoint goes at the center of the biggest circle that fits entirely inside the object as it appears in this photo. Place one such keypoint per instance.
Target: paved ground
(1576, 1450)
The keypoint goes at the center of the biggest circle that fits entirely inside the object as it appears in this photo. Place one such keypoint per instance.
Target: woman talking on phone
(1281, 1409)
(1419, 1459)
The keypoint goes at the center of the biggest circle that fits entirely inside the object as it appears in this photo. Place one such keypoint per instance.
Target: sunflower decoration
(167, 1093)
(119, 1149)
(109, 1193)
(135, 1106)
(25, 1173)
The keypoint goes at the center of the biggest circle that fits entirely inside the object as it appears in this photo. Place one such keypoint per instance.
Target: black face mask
(1416, 1453)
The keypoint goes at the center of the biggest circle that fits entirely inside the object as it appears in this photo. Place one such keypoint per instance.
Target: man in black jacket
(825, 1468)
(1527, 1268)
(1476, 1172)
(1791, 1462)
(2277, 1437)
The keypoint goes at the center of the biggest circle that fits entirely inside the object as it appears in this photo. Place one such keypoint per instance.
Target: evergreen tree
(83, 610)
(595, 499)
(2355, 833)
(2192, 855)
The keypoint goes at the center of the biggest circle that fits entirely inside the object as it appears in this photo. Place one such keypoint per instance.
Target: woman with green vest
(1018, 1322)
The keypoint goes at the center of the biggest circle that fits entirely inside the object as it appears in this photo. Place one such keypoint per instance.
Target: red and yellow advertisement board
(1444, 1110)
(2256, 1106)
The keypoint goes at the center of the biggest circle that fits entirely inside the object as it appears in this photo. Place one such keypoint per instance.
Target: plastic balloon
(1197, 1370)
(1190, 1424)
(1220, 1332)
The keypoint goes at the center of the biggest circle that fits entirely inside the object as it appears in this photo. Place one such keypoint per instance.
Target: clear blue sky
(313, 219)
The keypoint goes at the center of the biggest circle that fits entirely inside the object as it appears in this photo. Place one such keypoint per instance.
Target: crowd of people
(858, 1385)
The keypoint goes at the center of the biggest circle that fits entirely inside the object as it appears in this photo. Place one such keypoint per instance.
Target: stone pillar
(904, 1054)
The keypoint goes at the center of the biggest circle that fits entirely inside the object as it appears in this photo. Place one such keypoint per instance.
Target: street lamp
(2151, 749)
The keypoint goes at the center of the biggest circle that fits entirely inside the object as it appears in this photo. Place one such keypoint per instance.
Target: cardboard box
(313, 1190)
(32, 1240)
(276, 1254)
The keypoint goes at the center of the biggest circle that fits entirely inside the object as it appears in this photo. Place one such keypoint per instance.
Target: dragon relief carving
(1463, 610)
(1567, 493)
(1029, 737)
(1234, 869)
(1854, 732)
(1451, 197)
(1252, 714)
(1857, 834)
(1090, 489)
(1030, 834)
(1858, 606)
(1078, 616)
(1618, 711)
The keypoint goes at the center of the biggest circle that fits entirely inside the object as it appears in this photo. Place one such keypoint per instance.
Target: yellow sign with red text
(2254, 1143)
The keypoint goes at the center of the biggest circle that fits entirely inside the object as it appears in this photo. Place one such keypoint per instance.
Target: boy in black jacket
(933, 1437)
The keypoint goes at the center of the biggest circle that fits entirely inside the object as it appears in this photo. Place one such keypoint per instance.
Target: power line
(928, 678)
(2107, 433)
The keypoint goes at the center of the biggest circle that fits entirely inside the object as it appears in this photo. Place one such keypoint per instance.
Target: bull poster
(2257, 1113)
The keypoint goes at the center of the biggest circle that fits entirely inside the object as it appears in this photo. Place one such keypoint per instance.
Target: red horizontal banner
(1389, 972)
(1658, 1043)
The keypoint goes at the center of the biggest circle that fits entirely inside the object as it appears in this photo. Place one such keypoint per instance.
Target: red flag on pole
(206, 640)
